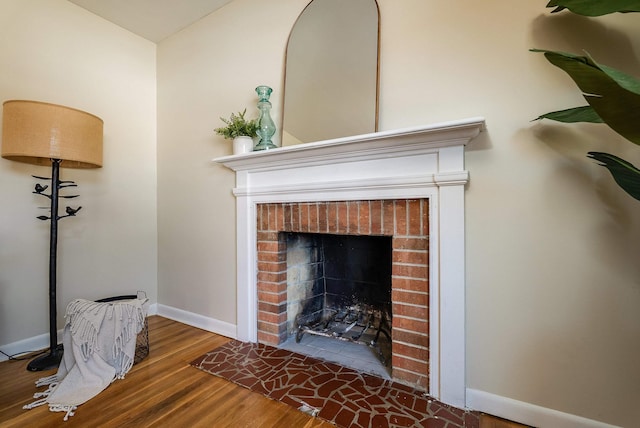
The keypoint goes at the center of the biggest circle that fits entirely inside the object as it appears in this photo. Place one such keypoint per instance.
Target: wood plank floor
(163, 390)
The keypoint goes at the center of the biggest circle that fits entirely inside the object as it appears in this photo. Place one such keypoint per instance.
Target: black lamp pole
(52, 358)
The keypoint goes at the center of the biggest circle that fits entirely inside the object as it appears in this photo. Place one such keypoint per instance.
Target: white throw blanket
(99, 347)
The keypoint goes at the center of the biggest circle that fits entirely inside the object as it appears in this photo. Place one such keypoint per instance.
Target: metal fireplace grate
(359, 323)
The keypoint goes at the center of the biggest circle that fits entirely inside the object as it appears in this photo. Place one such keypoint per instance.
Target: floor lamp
(56, 136)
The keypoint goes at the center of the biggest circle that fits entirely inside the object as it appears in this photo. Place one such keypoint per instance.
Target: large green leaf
(626, 81)
(614, 95)
(573, 115)
(624, 173)
(595, 7)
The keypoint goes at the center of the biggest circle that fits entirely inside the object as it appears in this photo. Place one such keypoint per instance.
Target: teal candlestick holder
(266, 126)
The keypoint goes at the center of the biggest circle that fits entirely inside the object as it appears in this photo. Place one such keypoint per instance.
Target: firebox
(339, 287)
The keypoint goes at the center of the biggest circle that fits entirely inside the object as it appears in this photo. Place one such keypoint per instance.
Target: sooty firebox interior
(339, 286)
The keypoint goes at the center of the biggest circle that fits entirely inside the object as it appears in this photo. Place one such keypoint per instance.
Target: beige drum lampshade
(36, 132)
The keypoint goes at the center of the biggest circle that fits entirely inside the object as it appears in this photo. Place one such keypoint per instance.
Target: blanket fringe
(85, 317)
(60, 408)
(42, 396)
(131, 319)
(36, 403)
(69, 410)
(43, 381)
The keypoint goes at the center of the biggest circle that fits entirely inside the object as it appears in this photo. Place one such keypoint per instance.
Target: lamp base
(48, 361)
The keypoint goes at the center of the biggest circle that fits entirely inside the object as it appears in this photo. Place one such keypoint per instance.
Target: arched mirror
(331, 76)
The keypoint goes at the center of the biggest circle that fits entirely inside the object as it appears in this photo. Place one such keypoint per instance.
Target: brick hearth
(405, 220)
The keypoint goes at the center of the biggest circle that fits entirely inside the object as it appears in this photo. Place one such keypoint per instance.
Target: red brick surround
(406, 221)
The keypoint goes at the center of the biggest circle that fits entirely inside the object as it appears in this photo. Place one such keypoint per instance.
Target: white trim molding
(28, 345)
(205, 323)
(526, 413)
(420, 162)
(36, 343)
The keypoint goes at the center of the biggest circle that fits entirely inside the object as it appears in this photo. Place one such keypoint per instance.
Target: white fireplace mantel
(420, 162)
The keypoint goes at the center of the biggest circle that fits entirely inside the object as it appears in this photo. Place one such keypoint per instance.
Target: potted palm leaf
(612, 97)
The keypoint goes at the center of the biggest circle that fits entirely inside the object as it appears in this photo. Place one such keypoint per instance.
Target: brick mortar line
(409, 318)
(271, 294)
(411, 264)
(413, 305)
(400, 369)
(418, 304)
(411, 331)
(408, 358)
(410, 291)
(410, 277)
(426, 348)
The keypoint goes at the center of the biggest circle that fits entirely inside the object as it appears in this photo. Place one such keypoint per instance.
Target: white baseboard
(39, 342)
(526, 413)
(153, 309)
(28, 345)
(210, 324)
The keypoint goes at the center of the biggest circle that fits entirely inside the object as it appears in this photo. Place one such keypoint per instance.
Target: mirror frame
(377, 71)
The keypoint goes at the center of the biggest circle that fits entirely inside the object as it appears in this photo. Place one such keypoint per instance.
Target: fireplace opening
(339, 287)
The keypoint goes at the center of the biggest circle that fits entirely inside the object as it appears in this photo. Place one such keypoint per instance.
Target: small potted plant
(242, 131)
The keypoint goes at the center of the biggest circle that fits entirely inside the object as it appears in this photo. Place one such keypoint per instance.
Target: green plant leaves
(573, 115)
(613, 95)
(238, 126)
(595, 7)
(624, 173)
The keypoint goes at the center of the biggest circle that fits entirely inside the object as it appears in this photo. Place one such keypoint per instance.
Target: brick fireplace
(406, 221)
(360, 183)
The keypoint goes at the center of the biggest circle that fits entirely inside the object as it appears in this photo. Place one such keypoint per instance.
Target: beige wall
(552, 244)
(553, 291)
(206, 71)
(54, 51)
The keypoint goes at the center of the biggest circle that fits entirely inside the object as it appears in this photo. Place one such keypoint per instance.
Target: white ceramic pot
(242, 145)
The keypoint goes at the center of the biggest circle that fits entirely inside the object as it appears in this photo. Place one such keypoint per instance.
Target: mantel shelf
(376, 145)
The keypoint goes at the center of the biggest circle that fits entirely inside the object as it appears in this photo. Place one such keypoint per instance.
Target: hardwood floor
(163, 390)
